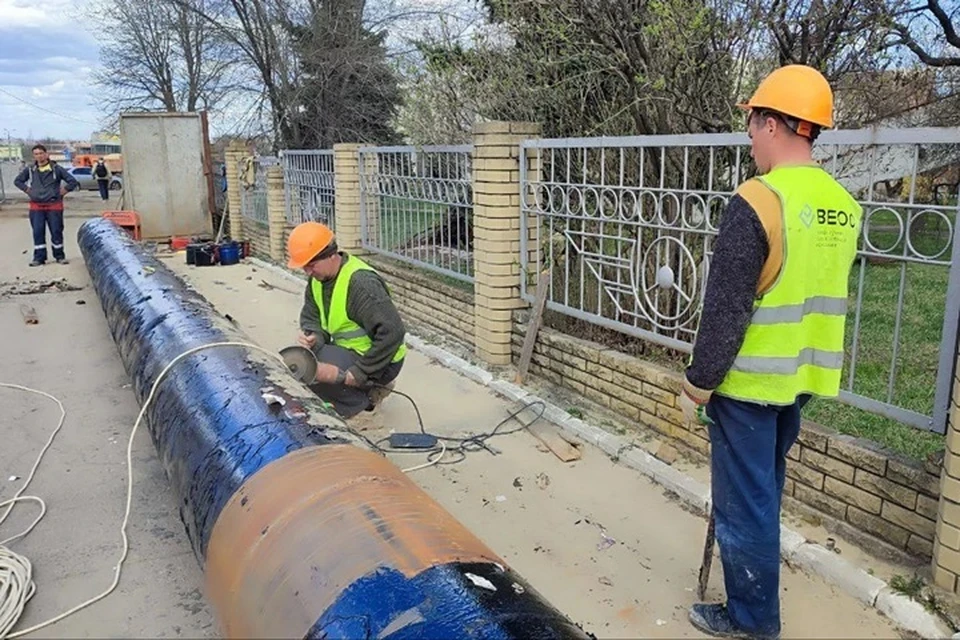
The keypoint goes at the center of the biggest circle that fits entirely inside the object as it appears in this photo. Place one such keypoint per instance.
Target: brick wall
(427, 303)
(881, 493)
(946, 567)
(259, 236)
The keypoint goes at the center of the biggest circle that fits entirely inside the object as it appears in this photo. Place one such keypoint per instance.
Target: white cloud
(20, 14)
(47, 57)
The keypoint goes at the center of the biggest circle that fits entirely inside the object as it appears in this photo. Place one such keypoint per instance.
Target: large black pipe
(302, 532)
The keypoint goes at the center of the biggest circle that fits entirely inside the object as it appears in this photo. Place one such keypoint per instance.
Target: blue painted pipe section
(448, 601)
(210, 425)
(213, 431)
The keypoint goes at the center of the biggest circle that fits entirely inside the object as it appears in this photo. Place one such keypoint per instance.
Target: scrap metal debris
(29, 314)
(30, 287)
(269, 287)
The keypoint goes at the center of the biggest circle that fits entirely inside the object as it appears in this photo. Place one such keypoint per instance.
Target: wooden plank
(533, 327)
(550, 436)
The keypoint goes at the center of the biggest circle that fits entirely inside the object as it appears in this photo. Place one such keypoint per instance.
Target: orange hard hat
(798, 91)
(306, 241)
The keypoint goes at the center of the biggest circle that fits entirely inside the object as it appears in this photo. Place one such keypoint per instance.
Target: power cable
(16, 573)
(16, 582)
(50, 111)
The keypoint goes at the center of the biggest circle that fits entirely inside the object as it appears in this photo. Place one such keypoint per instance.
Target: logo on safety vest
(806, 215)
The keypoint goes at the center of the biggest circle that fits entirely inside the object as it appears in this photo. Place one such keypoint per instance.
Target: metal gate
(253, 187)
(308, 177)
(626, 226)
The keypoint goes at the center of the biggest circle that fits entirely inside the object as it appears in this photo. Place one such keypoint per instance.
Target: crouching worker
(348, 320)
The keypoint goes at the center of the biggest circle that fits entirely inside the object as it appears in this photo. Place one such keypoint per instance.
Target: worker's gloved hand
(327, 373)
(693, 402)
(350, 381)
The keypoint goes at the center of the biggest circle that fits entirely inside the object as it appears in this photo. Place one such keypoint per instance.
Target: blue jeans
(39, 220)
(749, 444)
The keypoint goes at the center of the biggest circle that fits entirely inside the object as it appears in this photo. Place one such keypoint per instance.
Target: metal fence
(253, 187)
(309, 179)
(626, 227)
(416, 205)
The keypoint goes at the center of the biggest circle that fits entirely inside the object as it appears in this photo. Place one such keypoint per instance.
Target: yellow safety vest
(343, 331)
(795, 341)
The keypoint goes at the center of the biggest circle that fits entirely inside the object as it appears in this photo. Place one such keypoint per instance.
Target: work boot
(379, 394)
(714, 620)
(62, 261)
(36, 263)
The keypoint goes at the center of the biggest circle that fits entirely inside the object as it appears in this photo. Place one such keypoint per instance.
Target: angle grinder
(301, 362)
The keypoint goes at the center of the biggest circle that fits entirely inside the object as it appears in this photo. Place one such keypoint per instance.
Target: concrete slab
(83, 477)
(549, 520)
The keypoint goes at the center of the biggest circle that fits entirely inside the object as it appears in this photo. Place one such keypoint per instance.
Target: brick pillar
(346, 184)
(946, 546)
(276, 212)
(496, 234)
(532, 264)
(236, 150)
(371, 202)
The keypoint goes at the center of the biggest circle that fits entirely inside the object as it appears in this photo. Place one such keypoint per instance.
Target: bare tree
(921, 25)
(159, 55)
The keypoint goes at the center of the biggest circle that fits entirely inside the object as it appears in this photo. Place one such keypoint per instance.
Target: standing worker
(771, 336)
(102, 174)
(46, 203)
(348, 320)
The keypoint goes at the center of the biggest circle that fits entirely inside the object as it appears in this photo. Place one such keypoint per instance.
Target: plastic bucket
(206, 255)
(192, 253)
(229, 253)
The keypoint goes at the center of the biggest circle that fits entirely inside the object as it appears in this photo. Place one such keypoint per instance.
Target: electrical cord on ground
(16, 584)
(16, 576)
(463, 445)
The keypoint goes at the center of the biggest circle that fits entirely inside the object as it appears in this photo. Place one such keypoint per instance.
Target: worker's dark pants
(39, 220)
(349, 401)
(104, 187)
(748, 448)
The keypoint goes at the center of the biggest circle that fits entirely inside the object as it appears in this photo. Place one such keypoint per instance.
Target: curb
(812, 558)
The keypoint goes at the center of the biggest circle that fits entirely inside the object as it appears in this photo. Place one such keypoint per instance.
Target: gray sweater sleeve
(740, 250)
(370, 306)
(310, 315)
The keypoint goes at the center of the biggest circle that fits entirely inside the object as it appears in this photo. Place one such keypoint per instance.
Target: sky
(47, 56)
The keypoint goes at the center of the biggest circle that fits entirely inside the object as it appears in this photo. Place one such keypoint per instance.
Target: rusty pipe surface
(301, 529)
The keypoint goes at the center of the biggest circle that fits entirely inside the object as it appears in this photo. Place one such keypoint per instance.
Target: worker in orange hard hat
(771, 336)
(349, 321)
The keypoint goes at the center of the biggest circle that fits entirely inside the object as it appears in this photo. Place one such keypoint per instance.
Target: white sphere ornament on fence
(665, 277)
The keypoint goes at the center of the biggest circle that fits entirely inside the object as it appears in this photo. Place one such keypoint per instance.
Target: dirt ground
(553, 522)
(82, 478)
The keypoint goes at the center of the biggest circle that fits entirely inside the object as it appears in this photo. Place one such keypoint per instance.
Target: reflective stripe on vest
(343, 331)
(795, 341)
(785, 365)
(796, 312)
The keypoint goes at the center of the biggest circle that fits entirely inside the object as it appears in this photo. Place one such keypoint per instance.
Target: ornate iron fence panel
(626, 228)
(309, 186)
(253, 187)
(416, 205)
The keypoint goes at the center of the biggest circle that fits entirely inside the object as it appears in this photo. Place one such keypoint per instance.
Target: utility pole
(9, 144)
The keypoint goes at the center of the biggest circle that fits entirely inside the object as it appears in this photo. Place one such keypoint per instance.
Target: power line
(36, 106)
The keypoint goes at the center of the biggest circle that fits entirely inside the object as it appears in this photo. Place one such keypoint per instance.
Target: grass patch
(918, 356)
(916, 589)
(402, 219)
